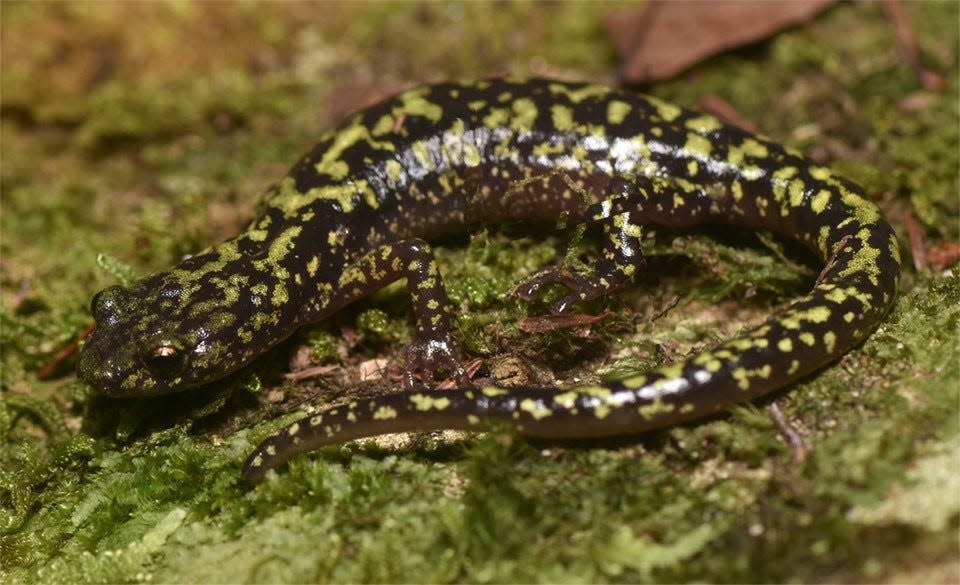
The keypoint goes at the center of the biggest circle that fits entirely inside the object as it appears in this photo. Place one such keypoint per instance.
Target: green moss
(324, 345)
(118, 141)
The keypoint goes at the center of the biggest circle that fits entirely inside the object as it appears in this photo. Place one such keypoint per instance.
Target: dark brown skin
(354, 214)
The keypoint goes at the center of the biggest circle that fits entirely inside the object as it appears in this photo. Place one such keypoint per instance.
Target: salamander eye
(165, 359)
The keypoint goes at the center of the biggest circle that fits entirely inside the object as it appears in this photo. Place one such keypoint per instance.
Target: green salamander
(354, 213)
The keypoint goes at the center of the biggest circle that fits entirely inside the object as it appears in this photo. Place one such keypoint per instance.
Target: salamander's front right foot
(427, 356)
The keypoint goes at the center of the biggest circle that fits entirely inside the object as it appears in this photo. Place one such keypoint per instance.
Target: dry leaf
(943, 256)
(663, 38)
(373, 369)
(546, 323)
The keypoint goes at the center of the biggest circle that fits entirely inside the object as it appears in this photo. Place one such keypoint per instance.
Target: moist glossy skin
(353, 214)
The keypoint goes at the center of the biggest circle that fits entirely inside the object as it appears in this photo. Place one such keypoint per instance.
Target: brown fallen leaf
(664, 38)
(938, 256)
(918, 243)
(943, 255)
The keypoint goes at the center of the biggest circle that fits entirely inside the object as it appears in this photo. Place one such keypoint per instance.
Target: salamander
(355, 213)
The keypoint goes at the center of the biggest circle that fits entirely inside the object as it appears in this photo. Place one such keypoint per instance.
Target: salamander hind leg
(432, 348)
(619, 261)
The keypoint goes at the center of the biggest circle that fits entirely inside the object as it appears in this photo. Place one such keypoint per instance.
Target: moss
(146, 131)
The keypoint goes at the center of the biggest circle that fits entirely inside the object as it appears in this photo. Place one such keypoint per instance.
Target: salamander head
(160, 335)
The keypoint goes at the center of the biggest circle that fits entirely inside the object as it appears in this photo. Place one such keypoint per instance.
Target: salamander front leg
(432, 348)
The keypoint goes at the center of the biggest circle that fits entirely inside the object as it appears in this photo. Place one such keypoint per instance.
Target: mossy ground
(146, 131)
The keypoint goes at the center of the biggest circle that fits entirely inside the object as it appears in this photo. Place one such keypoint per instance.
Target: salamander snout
(97, 368)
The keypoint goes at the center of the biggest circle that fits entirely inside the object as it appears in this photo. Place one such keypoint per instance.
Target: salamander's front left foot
(432, 350)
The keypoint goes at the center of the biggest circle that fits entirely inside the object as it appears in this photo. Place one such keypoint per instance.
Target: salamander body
(354, 214)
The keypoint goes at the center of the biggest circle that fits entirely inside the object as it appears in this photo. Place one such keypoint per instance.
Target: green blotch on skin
(496, 117)
(579, 94)
(414, 104)
(424, 402)
(655, 409)
(384, 125)
(471, 155)
(698, 146)
(280, 295)
(819, 201)
(331, 163)
(562, 117)
(281, 246)
(525, 113)
(783, 174)
(667, 111)
(384, 413)
(535, 409)
(795, 320)
(256, 235)
(703, 124)
(293, 202)
(617, 111)
(829, 340)
(423, 155)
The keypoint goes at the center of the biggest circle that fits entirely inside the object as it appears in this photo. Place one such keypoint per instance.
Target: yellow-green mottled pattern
(353, 214)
